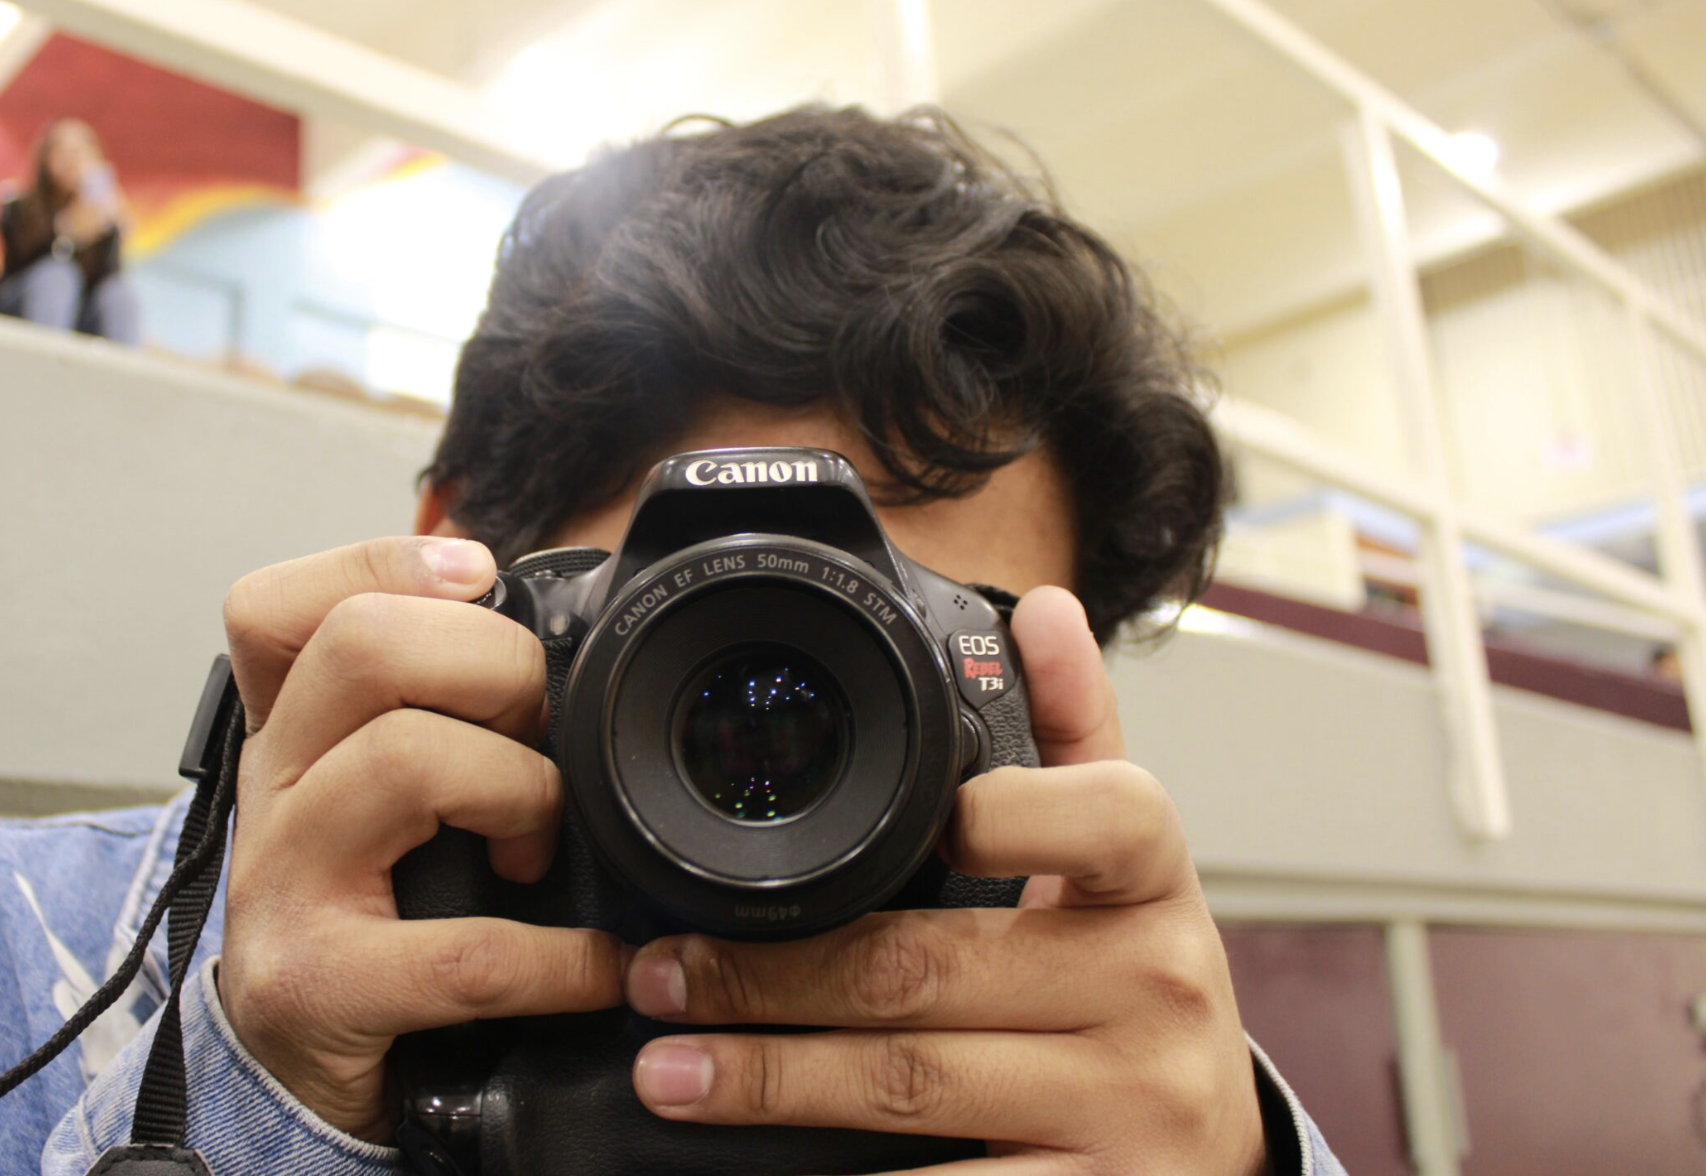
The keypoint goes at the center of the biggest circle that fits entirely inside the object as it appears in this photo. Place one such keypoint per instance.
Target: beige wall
(1329, 371)
(1535, 373)
(1533, 367)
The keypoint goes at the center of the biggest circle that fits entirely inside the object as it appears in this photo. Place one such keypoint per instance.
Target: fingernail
(669, 1074)
(657, 987)
(456, 560)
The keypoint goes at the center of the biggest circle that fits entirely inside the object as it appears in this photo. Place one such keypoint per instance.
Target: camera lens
(760, 753)
(762, 732)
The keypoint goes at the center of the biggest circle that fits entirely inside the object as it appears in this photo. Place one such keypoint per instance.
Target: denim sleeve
(1295, 1145)
(70, 887)
(240, 1118)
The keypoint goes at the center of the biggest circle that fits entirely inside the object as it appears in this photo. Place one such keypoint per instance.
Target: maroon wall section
(1316, 1000)
(1575, 1049)
(164, 133)
(1509, 663)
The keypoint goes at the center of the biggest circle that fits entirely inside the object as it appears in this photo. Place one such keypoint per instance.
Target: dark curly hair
(893, 271)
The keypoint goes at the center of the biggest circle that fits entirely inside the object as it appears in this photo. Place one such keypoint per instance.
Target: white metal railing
(1458, 657)
(1283, 440)
(1546, 603)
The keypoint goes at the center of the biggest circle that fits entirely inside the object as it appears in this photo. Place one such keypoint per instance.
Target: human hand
(379, 706)
(83, 220)
(1092, 1030)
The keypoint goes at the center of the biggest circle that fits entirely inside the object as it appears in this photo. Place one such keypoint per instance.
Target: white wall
(1297, 761)
(133, 492)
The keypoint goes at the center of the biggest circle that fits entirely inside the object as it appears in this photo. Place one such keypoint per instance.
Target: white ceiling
(462, 39)
(1170, 128)
(1206, 154)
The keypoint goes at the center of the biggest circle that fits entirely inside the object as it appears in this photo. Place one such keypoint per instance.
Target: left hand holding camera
(1092, 1030)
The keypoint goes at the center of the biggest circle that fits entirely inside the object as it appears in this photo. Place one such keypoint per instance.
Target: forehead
(1016, 532)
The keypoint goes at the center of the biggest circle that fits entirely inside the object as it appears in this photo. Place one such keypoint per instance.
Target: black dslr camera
(761, 711)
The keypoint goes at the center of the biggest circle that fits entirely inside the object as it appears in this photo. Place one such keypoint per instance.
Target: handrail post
(1449, 618)
(1432, 1102)
(1678, 544)
(906, 52)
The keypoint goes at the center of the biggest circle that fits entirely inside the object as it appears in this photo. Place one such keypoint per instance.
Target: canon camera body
(761, 711)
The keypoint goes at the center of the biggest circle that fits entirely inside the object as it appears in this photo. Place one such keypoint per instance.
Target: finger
(1109, 829)
(1074, 714)
(375, 653)
(1022, 1162)
(972, 968)
(968, 1085)
(442, 972)
(388, 788)
(271, 614)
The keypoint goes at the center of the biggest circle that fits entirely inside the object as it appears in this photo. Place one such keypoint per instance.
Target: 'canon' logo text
(739, 473)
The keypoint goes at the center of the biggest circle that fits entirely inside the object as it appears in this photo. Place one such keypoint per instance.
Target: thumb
(1074, 715)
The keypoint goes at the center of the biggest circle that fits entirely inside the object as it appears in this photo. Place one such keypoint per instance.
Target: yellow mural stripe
(161, 226)
(179, 214)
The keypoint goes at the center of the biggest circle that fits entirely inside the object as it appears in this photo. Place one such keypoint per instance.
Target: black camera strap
(210, 759)
(213, 750)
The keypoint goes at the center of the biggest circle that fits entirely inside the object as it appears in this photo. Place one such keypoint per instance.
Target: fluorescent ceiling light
(1473, 152)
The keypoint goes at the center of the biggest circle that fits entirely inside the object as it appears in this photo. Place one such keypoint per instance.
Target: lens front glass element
(762, 732)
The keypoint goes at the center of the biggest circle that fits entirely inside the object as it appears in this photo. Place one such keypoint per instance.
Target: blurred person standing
(63, 240)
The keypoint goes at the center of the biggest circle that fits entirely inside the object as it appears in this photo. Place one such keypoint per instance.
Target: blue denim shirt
(73, 892)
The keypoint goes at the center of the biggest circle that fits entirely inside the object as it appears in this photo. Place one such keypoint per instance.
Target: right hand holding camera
(380, 706)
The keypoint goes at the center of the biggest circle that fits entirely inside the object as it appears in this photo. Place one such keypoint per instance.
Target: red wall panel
(164, 133)
(1316, 1000)
(1575, 1049)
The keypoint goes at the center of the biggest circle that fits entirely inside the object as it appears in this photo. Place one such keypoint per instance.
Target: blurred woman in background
(62, 241)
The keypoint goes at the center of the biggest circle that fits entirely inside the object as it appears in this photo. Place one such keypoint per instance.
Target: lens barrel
(762, 736)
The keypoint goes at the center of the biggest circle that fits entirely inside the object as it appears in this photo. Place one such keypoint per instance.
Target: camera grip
(593, 1124)
(449, 877)
(1009, 721)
